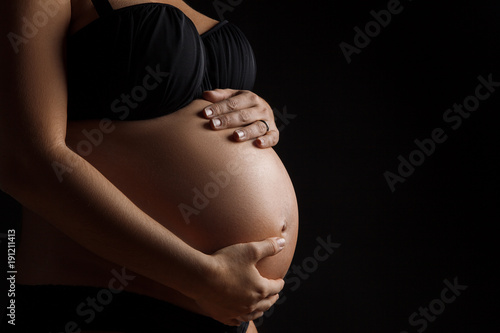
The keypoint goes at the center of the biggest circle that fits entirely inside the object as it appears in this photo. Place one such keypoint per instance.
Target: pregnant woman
(144, 210)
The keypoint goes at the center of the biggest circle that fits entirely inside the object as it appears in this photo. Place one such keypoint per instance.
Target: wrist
(201, 271)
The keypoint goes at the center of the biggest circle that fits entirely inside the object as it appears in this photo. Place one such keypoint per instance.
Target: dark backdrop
(343, 125)
(347, 124)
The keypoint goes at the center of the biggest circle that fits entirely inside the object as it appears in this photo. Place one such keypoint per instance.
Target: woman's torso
(208, 190)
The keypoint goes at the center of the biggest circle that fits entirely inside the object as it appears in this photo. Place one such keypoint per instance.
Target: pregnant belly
(208, 190)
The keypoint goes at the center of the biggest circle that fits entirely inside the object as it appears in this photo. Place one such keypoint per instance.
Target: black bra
(148, 60)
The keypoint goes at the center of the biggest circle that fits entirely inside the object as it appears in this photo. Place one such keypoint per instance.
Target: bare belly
(208, 190)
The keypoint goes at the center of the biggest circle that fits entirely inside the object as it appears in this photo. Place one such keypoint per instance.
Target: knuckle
(270, 114)
(274, 247)
(263, 293)
(245, 116)
(264, 110)
(260, 294)
(261, 126)
(250, 96)
(225, 121)
(232, 104)
(252, 309)
(254, 98)
(275, 137)
(269, 249)
(254, 251)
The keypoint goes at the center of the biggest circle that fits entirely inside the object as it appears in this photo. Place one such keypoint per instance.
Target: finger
(218, 95)
(238, 118)
(274, 288)
(266, 303)
(260, 308)
(267, 247)
(269, 140)
(252, 316)
(233, 322)
(252, 131)
(237, 101)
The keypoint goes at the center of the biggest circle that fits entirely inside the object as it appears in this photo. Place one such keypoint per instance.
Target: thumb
(218, 95)
(268, 247)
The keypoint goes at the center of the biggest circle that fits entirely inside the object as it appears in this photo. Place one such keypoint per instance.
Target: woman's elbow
(20, 168)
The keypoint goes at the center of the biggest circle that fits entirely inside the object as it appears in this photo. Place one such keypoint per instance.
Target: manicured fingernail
(216, 122)
(209, 112)
(260, 142)
(281, 242)
(240, 134)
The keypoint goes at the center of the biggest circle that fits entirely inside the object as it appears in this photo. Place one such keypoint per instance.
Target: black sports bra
(148, 60)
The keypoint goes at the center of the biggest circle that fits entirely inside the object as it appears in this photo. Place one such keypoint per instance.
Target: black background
(352, 122)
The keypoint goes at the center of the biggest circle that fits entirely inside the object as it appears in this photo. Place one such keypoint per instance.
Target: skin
(256, 200)
(88, 213)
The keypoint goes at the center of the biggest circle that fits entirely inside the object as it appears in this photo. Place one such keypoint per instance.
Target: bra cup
(126, 65)
(230, 59)
(148, 60)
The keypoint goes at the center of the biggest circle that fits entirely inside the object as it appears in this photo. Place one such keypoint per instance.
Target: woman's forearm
(74, 197)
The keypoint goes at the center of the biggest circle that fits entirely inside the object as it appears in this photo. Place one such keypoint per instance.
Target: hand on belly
(209, 190)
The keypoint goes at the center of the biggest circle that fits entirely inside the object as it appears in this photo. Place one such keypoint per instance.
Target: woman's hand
(234, 291)
(238, 108)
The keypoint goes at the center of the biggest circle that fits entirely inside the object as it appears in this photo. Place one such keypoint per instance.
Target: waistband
(56, 308)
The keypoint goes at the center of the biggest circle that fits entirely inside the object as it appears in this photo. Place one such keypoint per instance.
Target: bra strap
(103, 7)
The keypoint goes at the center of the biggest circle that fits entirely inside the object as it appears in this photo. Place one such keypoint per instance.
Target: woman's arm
(45, 176)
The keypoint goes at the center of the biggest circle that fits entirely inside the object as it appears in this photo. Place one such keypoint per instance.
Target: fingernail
(281, 242)
(240, 134)
(209, 112)
(216, 122)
